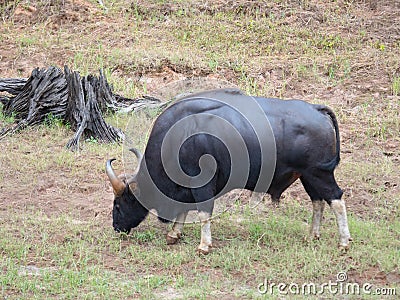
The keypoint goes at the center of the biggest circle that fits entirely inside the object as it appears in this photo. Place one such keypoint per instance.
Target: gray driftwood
(78, 101)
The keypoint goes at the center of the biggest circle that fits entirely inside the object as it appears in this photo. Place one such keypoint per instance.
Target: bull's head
(128, 212)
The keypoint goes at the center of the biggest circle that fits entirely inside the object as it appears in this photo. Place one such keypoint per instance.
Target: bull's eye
(117, 208)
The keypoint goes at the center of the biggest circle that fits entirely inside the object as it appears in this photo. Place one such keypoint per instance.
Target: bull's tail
(334, 162)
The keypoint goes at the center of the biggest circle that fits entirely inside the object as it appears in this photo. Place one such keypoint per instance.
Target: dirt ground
(89, 195)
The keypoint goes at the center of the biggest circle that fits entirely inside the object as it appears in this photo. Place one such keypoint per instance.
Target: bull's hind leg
(318, 210)
(176, 232)
(321, 185)
(339, 208)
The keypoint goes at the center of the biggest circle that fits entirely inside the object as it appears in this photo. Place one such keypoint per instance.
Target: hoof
(344, 244)
(344, 248)
(204, 250)
(311, 237)
(315, 236)
(172, 240)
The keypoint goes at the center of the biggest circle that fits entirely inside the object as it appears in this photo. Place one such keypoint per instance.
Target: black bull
(210, 143)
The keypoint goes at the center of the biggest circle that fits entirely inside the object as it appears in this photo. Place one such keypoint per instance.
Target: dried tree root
(78, 101)
(44, 93)
(87, 96)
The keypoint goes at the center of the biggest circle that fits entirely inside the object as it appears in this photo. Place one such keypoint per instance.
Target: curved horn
(117, 184)
(138, 154)
(139, 157)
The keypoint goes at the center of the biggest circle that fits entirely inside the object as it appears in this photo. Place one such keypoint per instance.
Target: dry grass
(55, 205)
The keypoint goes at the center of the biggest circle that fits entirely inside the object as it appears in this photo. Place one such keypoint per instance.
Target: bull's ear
(133, 187)
(132, 183)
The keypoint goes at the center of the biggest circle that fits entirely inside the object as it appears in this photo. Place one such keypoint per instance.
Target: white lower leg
(339, 208)
(176, 232)
(318, 210)
(256, 197)
(206, 241)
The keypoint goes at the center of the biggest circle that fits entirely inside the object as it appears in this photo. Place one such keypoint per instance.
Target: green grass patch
(70, 257)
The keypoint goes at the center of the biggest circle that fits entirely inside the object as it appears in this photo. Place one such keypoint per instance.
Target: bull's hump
(215, 93)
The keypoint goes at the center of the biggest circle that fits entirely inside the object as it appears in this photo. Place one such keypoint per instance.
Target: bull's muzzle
(121, 230)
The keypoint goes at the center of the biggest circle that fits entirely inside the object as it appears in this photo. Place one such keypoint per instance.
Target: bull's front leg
(176, 232)
(206, 241)
(318, 210)
(339, 208)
